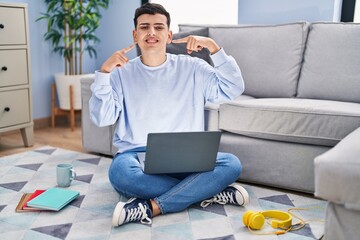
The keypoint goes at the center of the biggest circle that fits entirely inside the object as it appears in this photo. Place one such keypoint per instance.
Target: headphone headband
(282, 219)
(279, 219)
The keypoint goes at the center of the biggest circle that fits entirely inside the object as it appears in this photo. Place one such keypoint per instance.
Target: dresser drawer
(13, 67)
(12, 26)
(14, 107)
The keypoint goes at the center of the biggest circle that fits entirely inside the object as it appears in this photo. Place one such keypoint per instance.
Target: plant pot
(63, 83)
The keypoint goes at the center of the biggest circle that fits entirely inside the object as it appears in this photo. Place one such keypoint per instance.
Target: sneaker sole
(244, 193)
(116, 215)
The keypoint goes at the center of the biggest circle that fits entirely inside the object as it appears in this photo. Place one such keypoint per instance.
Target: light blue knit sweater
(166, 98)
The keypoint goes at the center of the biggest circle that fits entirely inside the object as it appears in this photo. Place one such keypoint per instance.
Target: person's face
(152, 32)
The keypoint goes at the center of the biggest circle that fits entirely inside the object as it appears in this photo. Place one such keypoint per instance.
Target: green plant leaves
(71, 26)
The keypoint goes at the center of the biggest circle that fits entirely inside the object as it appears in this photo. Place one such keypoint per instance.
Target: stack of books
(52, 199)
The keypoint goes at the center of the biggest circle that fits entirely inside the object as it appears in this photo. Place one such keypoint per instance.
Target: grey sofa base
(94, 139)
(274, 163)
(341, 223)
(337, 180)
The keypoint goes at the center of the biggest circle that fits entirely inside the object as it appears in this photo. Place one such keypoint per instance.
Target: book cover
(32, 196)
(53, 199)
(24, 198)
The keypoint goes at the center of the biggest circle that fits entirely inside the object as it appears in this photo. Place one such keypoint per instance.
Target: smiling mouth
(151, 40)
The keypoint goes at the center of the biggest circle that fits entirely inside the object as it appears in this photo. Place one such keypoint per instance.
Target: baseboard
(59, 121)
(42, 122)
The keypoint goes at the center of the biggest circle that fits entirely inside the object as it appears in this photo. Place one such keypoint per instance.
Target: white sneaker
(134, 210)
(233, 194)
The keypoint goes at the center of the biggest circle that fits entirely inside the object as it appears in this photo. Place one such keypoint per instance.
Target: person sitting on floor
(162, 92)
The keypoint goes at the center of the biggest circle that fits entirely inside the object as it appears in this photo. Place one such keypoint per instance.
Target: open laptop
(180, 152)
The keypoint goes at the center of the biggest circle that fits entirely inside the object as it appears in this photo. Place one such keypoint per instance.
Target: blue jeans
(172, 192)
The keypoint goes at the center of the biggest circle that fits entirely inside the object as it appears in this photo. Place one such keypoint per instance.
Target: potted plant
(71, 26)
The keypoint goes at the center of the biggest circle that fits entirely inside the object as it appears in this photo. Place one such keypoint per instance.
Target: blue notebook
(53, 199)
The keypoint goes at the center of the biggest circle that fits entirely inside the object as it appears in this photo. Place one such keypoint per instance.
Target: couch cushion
(269, 56)
(318, 122)
(212, 113)
(337, 173)
(331, 63)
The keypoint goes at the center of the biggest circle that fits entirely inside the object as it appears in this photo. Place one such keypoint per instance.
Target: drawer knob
(2, 26)
(7, 109)
(4, 68)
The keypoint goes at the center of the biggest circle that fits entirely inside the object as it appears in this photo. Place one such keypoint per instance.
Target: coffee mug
(65, 173)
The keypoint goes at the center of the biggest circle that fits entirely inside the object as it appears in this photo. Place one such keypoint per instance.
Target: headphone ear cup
(246, 217)
(256, 221)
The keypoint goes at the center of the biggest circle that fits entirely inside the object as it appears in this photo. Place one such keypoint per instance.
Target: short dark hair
(151, 8)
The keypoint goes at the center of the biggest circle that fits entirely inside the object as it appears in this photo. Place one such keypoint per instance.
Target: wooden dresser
(15, 82)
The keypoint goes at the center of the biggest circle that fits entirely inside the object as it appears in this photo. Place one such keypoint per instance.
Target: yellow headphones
(279, 219)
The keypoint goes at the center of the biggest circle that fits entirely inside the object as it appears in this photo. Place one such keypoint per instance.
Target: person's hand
(197, 43)
(118, 59)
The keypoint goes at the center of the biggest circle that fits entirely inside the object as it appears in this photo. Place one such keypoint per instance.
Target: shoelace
(221, 198)
(139, 213)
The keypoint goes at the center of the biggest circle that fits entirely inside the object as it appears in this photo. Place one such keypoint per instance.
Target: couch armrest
(94, 139)
(211, 116)
(212, 113)
(337, 172)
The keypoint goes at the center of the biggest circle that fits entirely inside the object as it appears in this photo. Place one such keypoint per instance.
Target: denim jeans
(172, 192)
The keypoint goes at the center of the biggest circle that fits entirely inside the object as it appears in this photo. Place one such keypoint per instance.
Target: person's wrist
(213, 48)
(104, 69)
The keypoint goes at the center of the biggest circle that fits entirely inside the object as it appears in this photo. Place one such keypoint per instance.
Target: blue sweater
(165, 98)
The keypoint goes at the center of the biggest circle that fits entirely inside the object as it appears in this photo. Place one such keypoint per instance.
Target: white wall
(283, 11)
(200, 11)
(357, 12)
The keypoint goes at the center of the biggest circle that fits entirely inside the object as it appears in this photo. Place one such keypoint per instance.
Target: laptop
(180, 152)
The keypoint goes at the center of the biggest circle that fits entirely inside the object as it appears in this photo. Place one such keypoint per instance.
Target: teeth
(151, 40)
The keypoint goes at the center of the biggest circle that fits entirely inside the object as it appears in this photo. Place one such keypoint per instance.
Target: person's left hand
(197, 43)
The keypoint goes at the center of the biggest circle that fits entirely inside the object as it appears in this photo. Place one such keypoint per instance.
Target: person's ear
(134, 36)
(170, 34)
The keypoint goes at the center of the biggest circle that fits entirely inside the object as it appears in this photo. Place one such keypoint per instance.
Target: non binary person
(162, 92)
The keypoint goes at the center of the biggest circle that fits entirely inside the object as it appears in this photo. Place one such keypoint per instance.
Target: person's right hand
(118, 59)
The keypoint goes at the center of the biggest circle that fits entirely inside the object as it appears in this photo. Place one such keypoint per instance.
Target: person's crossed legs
(151, 194)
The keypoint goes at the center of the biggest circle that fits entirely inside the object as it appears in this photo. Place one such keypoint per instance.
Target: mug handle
(73, 174)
